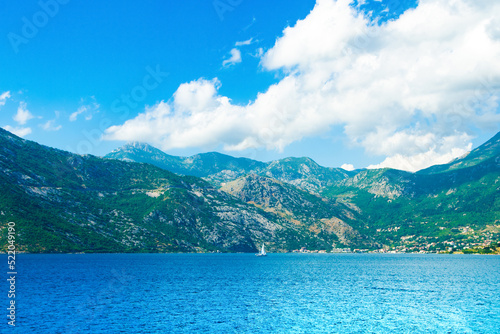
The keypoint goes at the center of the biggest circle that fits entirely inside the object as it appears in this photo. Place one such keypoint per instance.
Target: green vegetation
(63, 202)
(492, 249)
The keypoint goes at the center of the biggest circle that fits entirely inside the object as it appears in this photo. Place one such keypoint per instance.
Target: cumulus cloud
(197, 116)
(3, 98)
(18, 131)
(409, 90)
(423, 151)
(347, 167)
(234, 59)
(23, 115)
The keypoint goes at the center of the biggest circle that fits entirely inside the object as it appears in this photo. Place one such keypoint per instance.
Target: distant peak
(141, 146)
(137, 144)
(296, 160)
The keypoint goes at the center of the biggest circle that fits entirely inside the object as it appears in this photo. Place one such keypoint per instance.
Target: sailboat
(262, 252)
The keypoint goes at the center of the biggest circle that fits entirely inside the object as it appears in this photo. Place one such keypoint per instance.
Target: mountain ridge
(434, 204)
(484, 151)
(489, 149)
(219, 168)
(63, 202)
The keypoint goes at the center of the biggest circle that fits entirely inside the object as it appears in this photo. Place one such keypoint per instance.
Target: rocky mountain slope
(435, 205)
(330, 221)
(453, 204)
(200, 165)
(220, 168)
(305, 173)
(63, 202)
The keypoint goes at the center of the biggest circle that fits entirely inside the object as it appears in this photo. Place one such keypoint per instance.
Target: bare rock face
(346, 234)
(322, 218)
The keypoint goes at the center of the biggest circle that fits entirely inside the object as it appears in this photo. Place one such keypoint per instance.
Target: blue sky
(224, 75)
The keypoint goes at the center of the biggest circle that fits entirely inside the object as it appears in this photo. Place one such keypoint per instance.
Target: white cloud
(234, 59)
(241, 43)
(258, 53)
(18, 131)
(74, 115)
(51, 124)
(197, 116)
(347, 167)
(409, 90)
(87, 109)
(3, 98)
(23, 115)
(424, 151)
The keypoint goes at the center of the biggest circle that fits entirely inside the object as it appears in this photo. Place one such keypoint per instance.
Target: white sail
(262, 251)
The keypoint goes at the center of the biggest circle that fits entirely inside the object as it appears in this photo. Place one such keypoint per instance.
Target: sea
(243, 293)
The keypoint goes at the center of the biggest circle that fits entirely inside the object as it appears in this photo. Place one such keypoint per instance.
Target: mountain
(63, 202)
(454, 203)
(145, 153)
(330, 221)
(213, 166)
(478, 166)
(305, 173)
(457, 203)
(220, 168)
(489, 150)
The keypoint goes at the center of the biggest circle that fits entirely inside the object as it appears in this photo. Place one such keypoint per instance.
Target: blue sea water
(242, 293)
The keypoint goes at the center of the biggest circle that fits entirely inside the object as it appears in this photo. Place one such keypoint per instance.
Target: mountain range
(63, 202)
(218, 168)
(140, 199)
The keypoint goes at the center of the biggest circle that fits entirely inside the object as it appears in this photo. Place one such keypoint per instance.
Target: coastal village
(467, 241)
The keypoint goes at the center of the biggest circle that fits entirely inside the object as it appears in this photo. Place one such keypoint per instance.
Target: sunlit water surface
(242, 293)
